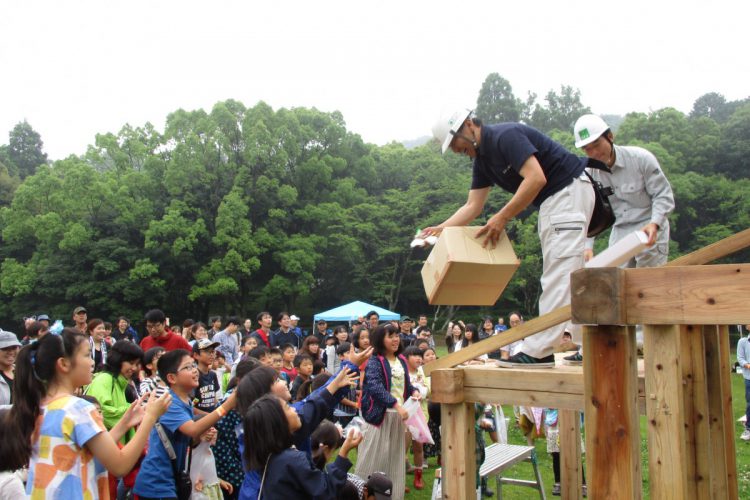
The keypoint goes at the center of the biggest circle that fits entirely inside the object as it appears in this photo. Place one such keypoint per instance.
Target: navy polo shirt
(505, 147)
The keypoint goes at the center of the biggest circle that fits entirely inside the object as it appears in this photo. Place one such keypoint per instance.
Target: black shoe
(574, 359)
(523, 360)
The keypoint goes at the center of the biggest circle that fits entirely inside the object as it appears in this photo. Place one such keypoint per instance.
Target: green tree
(25, 149)
(496, 102)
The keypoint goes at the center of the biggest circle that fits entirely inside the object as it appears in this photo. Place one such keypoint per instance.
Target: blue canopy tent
(350, 312)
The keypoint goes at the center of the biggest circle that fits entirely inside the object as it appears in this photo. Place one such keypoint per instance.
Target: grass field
(525, 471)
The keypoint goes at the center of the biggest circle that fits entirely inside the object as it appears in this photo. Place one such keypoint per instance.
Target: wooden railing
(684, 391)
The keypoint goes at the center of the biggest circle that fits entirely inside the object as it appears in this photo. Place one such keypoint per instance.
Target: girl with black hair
(109, 386)
(312, 410)
(386, 387)
(48, 423)
(455, 339)
(270, 424)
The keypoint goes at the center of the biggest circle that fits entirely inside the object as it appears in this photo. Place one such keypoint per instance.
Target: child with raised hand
(62, 437)
(156, 477)
(270, 424)
(312, 410)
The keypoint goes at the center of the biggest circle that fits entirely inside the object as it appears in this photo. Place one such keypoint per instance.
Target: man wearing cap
(79, 318)
(9, 346)
(227, 340)
(294, 321)
(206, 396)
(407, 337)
(377, 487)
(44, 319)
(159, 336)
(321, 327)
(539, 172)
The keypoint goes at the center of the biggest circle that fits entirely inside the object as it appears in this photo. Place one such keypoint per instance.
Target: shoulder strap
(263, 478)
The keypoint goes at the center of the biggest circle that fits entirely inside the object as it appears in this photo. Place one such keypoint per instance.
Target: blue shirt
(156, 477)
(505, 147)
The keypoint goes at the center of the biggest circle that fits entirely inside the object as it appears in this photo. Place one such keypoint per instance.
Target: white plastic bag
(417, 423)
(501, 426)
(203, 469)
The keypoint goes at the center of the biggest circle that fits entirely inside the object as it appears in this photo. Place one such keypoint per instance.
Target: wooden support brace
(458, 451)
(611, 411)
(569, 424)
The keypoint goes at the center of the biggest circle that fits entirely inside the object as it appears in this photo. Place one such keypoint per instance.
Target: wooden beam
(565, 379)
(458, 451)
(667, 295)
(447, 386)
(569, 425)
(665, 412)
(494, 343)
(695, 399)
(524, 398)
(715, 251)
(726, 393)
(611, 407)
(597, 293)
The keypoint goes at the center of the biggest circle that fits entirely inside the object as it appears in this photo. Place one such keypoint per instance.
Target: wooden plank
(524, 398)
(726, 399)
(569, 424)
(597, 293)
(665, 412)
(447, 386)
(568, 379)
(703, 295)
(494, 343)
(716, 421)
(611, 408)
(664, 296)
(696, 412)
(715, 251)
(458, 451)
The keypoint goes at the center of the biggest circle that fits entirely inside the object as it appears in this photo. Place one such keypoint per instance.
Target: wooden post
(611, 411)
(696, 412)
(458, 451)
(665, 412)
(569, 424)
(721, 427)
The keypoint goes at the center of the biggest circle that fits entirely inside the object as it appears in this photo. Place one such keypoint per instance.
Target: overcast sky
(77, 68)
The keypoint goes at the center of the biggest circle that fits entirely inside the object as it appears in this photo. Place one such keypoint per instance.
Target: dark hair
(246, 338)
(266, 431)
(343, 348)
(107, 325)
(120, 352)
(377, 339)
(188, 323)
(419, 342)
(318, 366)
(303, 391)
(300, 358)
(358, 335)
(286, 346)
(214, 319)
(93, 323)
(36, 367)
(327, 434)
(122, 318)
(275, 350)
(430, 349)
(195, 327)
(371, 313)
(258, 352)
(471, 327)
(320, 380)
(11, 448)
(170, 363)
(35, 328)
(423, 315)
(260, 315)
(219, 354)
(232, 320)
(155, 316)
(91, 399)
(305, 349)
(281, 315)
(413, 350)
(243, 368)
(148, 358)
(348, 492)
(253, 386)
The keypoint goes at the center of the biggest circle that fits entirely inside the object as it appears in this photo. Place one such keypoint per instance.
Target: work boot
(418, 483)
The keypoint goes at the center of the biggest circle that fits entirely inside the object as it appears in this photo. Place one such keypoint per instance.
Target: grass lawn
(525, 471)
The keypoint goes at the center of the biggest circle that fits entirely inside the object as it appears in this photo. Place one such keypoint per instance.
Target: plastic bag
(203, 469)
(417, 423)
(501, 425)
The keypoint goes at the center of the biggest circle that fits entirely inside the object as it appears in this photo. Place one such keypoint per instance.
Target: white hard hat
(588, 128)
(447, 125)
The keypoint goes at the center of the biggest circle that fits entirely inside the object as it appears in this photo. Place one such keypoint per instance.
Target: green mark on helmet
(584, 133)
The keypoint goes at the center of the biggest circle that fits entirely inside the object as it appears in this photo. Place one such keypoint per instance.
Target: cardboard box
(460, 272)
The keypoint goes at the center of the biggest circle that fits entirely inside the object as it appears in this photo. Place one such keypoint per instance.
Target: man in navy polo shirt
(540, 172)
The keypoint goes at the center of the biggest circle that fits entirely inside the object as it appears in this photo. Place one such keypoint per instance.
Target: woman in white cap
(9, 346)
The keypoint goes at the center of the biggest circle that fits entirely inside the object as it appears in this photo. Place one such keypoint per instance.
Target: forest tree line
(241, 209)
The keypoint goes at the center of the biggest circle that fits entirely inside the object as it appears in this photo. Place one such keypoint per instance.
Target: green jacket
(110, 392)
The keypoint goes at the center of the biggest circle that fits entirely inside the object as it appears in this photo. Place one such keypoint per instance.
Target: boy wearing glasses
(159, 336)
(208, 392)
